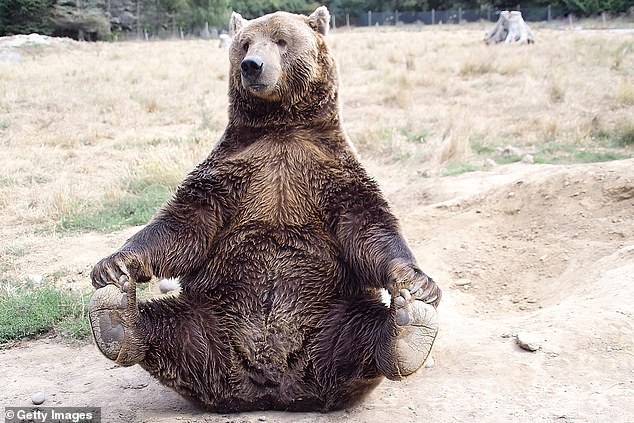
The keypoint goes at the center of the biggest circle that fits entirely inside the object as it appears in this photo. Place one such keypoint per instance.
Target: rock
(38, 398)
(463, 282)
(489, 163)
(429, 363)
(10, 56)
(131, 381)
(528, 341)
(528, 159)
(510, 151)
(169, 285)
(35, 279)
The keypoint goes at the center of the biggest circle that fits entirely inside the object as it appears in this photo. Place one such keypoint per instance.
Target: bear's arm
(372, 242)
(177, 240)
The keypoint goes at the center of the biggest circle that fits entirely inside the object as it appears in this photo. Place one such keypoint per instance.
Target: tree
(25, 16)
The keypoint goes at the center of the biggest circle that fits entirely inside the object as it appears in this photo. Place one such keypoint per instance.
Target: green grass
(607, 146)
(580, 156)
(622, 136)
(135, 208)
(28, 312)
(457, 168)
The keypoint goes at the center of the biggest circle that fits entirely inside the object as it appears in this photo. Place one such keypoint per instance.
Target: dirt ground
(542, 250)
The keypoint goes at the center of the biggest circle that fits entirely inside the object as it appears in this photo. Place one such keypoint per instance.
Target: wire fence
(436, 17)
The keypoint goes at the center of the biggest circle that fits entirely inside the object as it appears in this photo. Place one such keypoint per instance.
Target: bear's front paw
(421, 287)
(117, 268)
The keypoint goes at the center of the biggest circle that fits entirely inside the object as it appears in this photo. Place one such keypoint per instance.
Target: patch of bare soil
(545, 252)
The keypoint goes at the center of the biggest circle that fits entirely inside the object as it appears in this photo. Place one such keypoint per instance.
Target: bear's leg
(362, 339)
(180, 342)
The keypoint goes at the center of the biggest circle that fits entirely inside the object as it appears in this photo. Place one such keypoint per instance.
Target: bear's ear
(319, 20)
(236, 23)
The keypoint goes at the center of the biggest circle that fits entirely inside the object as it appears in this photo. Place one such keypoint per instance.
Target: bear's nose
(251, 67)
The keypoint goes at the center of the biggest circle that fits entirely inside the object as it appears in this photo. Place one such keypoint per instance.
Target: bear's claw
(417, 326)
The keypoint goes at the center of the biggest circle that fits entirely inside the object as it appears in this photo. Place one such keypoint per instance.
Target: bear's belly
(275, 284)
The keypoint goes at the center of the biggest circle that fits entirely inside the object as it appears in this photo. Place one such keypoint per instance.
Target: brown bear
(298, 291)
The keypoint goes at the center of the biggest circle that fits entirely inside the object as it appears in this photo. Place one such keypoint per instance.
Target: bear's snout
(251, 68)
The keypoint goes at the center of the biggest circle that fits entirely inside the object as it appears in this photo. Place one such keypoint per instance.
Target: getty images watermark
(52, 415)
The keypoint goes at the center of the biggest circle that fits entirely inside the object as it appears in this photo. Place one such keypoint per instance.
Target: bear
(298, 289)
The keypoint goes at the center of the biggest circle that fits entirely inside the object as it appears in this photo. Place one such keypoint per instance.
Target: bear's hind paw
(113, 316)
(417, 327)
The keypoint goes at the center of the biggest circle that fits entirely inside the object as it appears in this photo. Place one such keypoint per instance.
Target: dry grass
(84, 126)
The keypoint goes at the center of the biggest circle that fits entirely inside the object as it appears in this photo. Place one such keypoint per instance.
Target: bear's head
(281, 69)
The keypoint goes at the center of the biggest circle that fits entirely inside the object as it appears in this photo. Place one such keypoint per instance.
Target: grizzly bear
(298, 290)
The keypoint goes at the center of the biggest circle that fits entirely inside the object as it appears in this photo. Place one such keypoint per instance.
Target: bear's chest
(281, 185)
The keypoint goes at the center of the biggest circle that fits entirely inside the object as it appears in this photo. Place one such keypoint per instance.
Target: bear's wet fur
(282, 244)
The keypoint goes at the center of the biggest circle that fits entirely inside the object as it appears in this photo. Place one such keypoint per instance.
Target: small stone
(429, 363)
(169, 285)
(132, 381)
(510, 151)
(489, 163)
(528, 341)
(463, 282)
(35, 279)
(38, 398)
(528, 159)
(262, 419)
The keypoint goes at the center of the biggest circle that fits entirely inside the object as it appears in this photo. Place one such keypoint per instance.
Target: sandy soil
(541, 250)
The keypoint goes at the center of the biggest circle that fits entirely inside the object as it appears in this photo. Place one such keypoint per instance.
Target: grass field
(95, 136)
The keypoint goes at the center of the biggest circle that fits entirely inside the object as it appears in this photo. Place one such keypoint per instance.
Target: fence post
(433, 16)
(369, 18)
(459, 15)
(348, 20)
(396, 17)
(519, 7)
(489, 13)
(603, 18)
(550, 16)
(334, 25)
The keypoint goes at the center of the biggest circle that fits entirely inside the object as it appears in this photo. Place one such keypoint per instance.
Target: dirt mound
(522, 237)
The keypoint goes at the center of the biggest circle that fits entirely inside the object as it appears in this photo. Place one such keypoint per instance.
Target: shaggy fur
(281, 242)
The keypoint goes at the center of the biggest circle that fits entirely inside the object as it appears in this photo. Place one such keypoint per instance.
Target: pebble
(429, 363)
(528, 341)
(463, 282)
(509, 151)
(38, 398)
(35, 279)
(132, 381)
(168, 285)
(528, 159)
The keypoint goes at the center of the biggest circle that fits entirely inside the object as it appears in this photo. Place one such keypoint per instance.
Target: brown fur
(281, 242)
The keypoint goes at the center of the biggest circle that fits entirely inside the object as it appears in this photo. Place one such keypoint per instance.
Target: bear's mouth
(256, 87)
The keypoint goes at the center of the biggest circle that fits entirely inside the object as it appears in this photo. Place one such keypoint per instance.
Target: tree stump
(510, 28)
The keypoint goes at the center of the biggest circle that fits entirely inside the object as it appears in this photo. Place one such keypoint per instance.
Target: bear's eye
(245, 46)
(281, 43)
